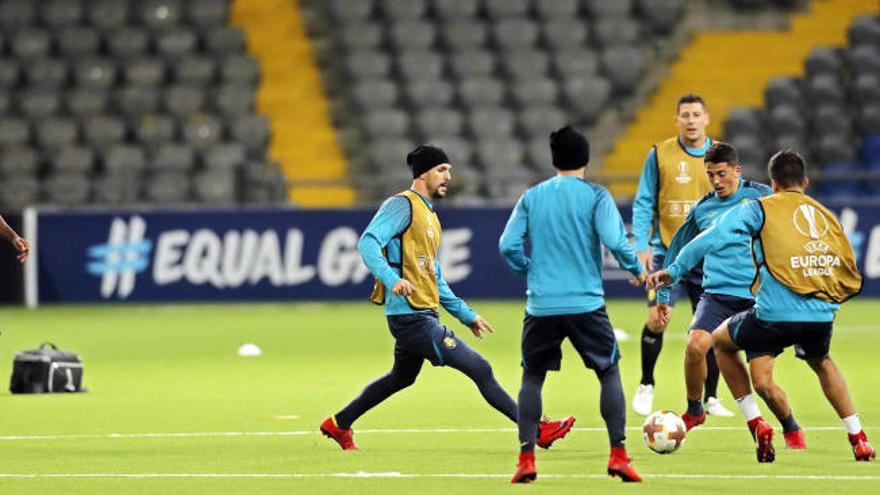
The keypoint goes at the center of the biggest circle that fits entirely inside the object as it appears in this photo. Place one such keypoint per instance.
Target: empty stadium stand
(122, 102)
(487, 79)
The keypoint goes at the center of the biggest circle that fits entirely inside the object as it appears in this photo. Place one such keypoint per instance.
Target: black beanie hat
(571, 150)
(424, 158)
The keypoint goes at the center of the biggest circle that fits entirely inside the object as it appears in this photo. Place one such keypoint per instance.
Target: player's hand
(480, 325)
(403, 287)
(647, 260)
(637, 281)
(23, 247)
(664, 312)
(658, 280)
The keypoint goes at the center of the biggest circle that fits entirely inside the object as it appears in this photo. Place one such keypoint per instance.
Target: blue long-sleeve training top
(645, 226)
(382, 232)
(774, 301)
(565, 220)
(728, 270)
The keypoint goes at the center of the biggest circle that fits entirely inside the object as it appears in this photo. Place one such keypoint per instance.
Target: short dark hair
(787, 168)
(721, 152)
(689, 98)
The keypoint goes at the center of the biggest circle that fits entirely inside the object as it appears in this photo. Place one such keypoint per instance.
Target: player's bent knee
(817, 363)
(699, 342)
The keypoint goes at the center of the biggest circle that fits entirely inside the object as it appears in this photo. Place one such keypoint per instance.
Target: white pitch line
(393, 474)
(112, 436)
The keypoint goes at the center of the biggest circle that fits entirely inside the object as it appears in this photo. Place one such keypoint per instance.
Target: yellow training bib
(681, 182)
(419, 244)
(806, 249)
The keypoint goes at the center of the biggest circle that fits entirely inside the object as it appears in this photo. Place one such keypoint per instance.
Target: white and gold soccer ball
(664, 432)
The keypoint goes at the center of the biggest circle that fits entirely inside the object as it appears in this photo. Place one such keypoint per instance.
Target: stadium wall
(285, 254)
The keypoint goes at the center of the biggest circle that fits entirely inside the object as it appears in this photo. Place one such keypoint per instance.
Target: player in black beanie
(571, 150)
(424, 158)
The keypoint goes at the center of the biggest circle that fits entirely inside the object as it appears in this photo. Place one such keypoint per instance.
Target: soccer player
(807, 268)
(728, 273)
(565, 219)
(399, 247)
(21, 244)
(673, 179)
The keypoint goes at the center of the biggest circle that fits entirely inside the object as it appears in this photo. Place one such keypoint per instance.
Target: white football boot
(714, 408)
(643, 401)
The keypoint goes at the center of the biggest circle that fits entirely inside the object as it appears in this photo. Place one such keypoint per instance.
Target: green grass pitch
(167, 381)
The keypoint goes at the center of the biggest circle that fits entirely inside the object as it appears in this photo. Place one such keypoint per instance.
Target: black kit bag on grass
(46, 369)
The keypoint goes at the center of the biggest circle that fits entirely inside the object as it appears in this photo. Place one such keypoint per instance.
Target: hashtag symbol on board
(125, 254)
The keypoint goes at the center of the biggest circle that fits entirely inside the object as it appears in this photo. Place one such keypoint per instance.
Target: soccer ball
(664, 432)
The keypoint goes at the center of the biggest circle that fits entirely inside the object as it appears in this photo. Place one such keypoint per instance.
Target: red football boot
(795, 439)
(862, 450)
(691, 421)
(762, 432)
(345, 438)
(619, 466)
(525, 469)
(550, 431)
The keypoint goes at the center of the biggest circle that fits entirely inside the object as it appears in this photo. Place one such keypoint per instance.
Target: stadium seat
(13, 132)
(152, 130)
(217, 187)
(182, 100)
(824, 60)
(743, 120)
(420, 65)
(19, 191)
(498, 9)
(175, 44)
(463, 34)
(481, 91)
(541, 92)
(472, 63)
(362, 34)
(525, 64)
(202, 131)
(58, 14)
(662, 15)
(92, 72)
(207, 13)
(539, 121)
(557, 9)
(68, 188)
(613, 31)
(455, 9)
(226, 40)
(55, 132)
(624, 66)
(107, 15)
(75, 42)
(173, 157)
(127, 43)
(390, 121)
(375, 93)
(225, 157)
(101, 131)
(564, 33)
(491, 122)
(253, 131)
(514, 33)
(73, 159)
(15, 14)
(194, 69)
(38, 103)
(168, 188)
(159, 15)
(19, 161)
(122, 159)
(430, 93)
(435, 122)
(864, 30)
(603, 8)
(412, 34)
